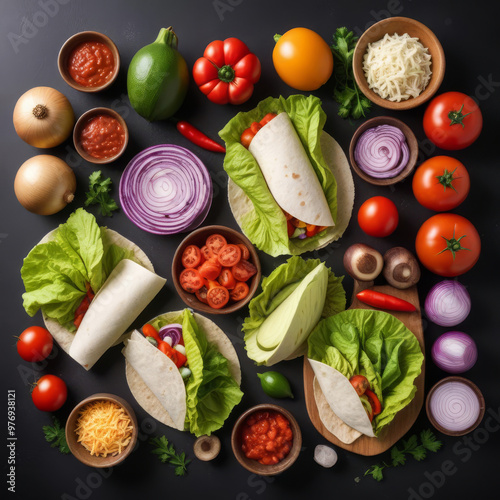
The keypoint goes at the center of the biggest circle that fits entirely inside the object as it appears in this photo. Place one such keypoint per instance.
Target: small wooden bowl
(400, 25)
(80, 452)
(74, 41)
(253, 465)
(411, 140)
(477, 392)
(80, 124)
(198, 237)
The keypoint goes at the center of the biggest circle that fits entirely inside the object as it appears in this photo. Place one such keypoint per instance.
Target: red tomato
(191, 257)
(34, 344)
(360, 383)
(268, 118)
(441, 183)
(374, 402)
(215, 242)
(191, 280)
(453, 121)
(50, 393)
(201, 294)
(226, 278)
(245, 253)
(206, 253)
(229, 255)
(244, 270)
(210, 269)
(448, 244)
(247, 137)
(240, 291)
(378, 216)
(169, 351)
(217, 297)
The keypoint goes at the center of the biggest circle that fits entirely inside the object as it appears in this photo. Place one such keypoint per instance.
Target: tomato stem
(446, 180)
(456, 117)
(453, 245)
(226, 73)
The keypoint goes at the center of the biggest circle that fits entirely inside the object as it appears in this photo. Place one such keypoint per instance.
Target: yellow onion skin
(43, 117)
(45, 184)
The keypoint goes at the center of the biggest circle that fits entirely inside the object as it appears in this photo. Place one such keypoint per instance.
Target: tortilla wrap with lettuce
(80, 252)
(202, 403)
(251, 201)
(365, 342)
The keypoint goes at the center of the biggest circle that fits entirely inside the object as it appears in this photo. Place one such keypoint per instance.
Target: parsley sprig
(56, 435)
(167, 454)
(346, 91)
(98, 193)
(411, 447)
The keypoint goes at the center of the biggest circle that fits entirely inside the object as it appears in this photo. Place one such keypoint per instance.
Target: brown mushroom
(401, 268)
(207, 447)
(362, 262)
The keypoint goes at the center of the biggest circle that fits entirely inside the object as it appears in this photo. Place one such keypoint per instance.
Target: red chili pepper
(199, 138)
(384, 301)
(150, 331)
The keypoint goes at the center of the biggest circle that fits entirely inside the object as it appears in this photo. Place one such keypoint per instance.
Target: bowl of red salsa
(100, 135)
(89, 61)
(266, 439)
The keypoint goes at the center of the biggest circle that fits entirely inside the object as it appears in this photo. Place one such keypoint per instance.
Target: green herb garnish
(56, 435)
(346, 92)
(428, 442)
(166, 454)
(99, 193)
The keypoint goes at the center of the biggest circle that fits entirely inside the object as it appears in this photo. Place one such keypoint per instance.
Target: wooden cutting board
(404, 419)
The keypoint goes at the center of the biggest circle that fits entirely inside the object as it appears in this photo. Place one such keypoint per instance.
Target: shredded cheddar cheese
(397, 67)
(104, 428)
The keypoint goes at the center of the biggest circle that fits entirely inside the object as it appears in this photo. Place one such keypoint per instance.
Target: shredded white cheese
(397, 67)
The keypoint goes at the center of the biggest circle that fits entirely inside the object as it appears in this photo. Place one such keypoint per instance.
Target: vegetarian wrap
(295, 296)
(184, 371)
(90, 284)
(291, 191)
(365, 363)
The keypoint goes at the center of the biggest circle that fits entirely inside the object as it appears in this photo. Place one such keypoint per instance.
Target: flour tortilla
(110, 323)
(342, 399)
(145, 391)
(335, 158)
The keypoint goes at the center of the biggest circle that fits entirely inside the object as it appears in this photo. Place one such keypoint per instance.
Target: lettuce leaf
(374, 344)
(266, 225)
(55, 273)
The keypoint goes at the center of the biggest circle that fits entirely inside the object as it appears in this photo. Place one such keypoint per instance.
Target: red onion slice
(166, 189)
(172, 330)
(382, 152)
(454, 352)
(447, 303)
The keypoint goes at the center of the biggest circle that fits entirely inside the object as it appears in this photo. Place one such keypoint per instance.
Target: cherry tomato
(441, 183)
(268, 118)
(240, 291)
(217, 297)
(247, 137)
(210, 269)
(191, 257)
(226, 278)
(190, 280)
(360, 383)
(244, 270)
(34, 344)
(302, 59)
(206, 253)
(215, 242)
(453, 121)
(50, 393)
(378, 216)
(245, 253)
(448, 244)
(229, 255)
(201, 294)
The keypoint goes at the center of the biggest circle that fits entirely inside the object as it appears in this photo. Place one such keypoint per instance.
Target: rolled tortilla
(288, 172)
(342, 397)
(127, 291)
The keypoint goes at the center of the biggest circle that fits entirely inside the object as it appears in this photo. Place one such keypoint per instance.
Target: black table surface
(32, 32)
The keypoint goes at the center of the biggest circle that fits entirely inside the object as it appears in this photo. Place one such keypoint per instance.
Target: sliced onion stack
(166, 189)
(382, 152)
(454, 352)
(447, 303)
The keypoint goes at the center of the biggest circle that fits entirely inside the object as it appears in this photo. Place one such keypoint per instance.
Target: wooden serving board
(404, 419)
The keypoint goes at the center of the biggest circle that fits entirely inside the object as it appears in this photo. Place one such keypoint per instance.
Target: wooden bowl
(80, 452)
(253, 465)
(477, 392)
(411, 140)
(400, 25)
(74, 41)
(80, 124)
(198, 237)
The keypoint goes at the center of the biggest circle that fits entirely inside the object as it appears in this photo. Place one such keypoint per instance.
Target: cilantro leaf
(376, 472)
(56, 435)
(398, 456)
(429, 440)
(98, 193)
(166, 454)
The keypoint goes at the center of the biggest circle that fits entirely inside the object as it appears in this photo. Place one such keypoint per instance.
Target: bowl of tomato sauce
(266, 439)
(100, 135)
(89, 61)
(216, 270)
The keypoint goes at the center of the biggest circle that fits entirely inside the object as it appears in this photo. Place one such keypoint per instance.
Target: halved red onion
(454, 352)
(382, 152)
(166, 189)
(447, 303)
(173, 330)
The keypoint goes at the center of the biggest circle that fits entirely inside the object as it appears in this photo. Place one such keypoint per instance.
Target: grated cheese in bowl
(397, 67)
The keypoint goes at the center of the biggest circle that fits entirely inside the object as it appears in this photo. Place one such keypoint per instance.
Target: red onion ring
(172, 330)
(382, 152)
(447, 303)
(454, 352)
(166, 189)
